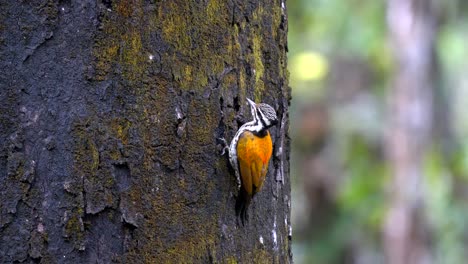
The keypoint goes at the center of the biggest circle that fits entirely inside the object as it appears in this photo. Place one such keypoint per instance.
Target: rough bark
(109, 116)
(412, 27)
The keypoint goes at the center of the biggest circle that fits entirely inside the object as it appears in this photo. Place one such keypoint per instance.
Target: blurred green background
(344, 68)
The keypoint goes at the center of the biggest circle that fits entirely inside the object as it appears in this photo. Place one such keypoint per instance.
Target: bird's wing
(253, 155)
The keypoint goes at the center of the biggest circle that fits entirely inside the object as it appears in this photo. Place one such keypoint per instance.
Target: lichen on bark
(129, 105)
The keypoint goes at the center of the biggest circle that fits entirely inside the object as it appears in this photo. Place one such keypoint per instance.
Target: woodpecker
(250, 152)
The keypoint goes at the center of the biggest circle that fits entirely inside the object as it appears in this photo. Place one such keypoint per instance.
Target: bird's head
(263, 113)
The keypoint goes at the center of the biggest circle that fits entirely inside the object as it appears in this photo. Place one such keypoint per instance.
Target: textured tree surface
(109, 116)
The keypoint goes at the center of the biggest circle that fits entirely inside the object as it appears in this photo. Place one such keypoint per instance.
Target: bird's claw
(224, 146)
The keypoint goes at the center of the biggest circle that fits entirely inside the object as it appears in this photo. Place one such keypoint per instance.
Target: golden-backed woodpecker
(250, 152)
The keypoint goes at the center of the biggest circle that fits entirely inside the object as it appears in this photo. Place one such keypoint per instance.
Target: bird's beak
(252, 103)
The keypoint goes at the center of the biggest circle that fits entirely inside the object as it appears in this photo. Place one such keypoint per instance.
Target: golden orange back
(253, 154)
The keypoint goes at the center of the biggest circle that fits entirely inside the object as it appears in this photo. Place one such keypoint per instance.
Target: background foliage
(341, 68)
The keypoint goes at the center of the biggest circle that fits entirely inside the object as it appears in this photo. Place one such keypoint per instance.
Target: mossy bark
(109, 118)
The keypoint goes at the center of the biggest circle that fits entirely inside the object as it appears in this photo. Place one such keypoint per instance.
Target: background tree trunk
(109, 116)
(412, 26)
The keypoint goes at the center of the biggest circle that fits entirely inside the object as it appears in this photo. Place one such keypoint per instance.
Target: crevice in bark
(130, 97)
(107, 3)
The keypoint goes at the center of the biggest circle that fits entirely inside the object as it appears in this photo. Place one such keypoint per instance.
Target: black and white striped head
(264, 115)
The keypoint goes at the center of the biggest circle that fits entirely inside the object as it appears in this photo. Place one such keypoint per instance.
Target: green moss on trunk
(128, 131)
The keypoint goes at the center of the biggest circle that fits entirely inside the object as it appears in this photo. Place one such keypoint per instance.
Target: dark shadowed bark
(412, 25)
(109, 116)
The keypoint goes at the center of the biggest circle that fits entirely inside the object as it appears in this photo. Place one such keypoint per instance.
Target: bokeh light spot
(309, 66)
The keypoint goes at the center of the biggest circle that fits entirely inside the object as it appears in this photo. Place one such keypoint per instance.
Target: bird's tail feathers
(242, 204)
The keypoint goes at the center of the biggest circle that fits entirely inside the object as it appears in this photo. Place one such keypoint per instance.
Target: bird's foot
(224, 145)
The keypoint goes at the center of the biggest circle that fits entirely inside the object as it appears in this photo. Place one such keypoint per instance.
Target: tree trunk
(412, 27)
(109, 118)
